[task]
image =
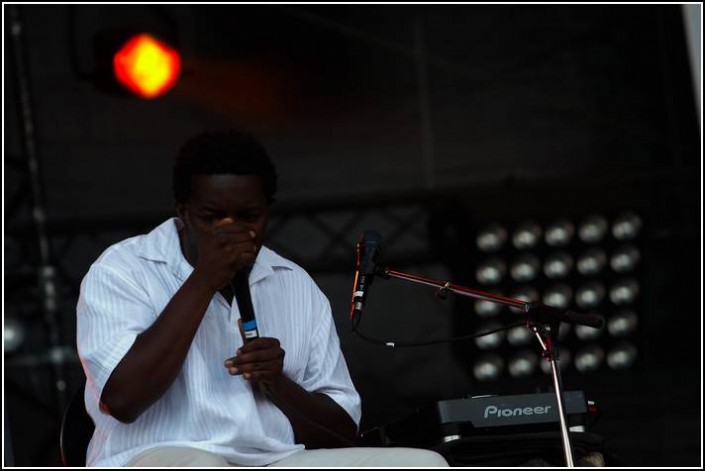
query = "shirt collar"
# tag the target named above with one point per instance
(162, 245)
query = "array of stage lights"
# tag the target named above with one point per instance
(591, 264)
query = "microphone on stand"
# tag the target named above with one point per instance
(240, 285)
(543, 313)
(367, 249)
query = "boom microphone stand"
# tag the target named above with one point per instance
(543, 320)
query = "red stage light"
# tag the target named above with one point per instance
(146, 66)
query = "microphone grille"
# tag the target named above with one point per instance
(371, 238)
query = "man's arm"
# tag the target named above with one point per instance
(157, 355)
(318, 421)
(155, 359)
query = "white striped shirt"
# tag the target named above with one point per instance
(207, 408)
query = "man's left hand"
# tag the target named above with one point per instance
(260, 360)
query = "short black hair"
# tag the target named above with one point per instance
(222, 152)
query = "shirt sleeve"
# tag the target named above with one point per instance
(112, 310)
(326, 371)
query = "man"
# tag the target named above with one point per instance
(170, 380)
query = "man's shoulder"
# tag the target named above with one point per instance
(123, 250)
(271, 259)
(281, 265)
(138, 249)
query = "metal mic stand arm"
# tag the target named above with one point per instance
(544, 321)
(444, 286)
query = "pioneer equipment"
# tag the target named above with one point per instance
(509, 414)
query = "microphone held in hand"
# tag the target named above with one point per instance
(368, 249)
(241, 287)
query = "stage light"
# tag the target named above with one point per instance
(525, 268)
(134, 62)
(626, 226)
(593, 229)
(625, 259)
(558, 265)
(488, 368)
(568, 263)
(622, 324)
(589, 359)
(522, 364)
(526, 235)
(592, 262)
(491, 271)
(590, 295)
(558, 296)
(487, 308)
(519, 336)
(624, 291)
(559, 233)
(146, 66)
(491, 238)
(526, 294)
(13, 334)
(490, 341)
(584, 332)
(622, 356)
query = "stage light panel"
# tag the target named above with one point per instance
(591, 262)
(590, 295)
(622, 323)
(625, 259)
(589, 359)
(626, 226)
(624, 291)
(525, 268)
(526, 235)
(491, 271)
(494, 340)
(487, 308)
(622, 356)
(558, 265)
(519, 336)
(559, 233)
(593, 229)
(489, 367)
(491, 238)
(522, 364)
(559, 296)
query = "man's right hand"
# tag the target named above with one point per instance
(224, 250)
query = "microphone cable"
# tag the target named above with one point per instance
(394, 344)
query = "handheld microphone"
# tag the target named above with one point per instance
(241, 287)
(367, 249)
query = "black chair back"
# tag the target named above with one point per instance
(76, 431)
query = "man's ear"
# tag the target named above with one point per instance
(189, 245)
(182, 212)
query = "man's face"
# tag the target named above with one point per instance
(216, 197)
